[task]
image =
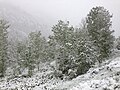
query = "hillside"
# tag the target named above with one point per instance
(104, 77)
(84, 58)
(21, 23)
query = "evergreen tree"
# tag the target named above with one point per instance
(3, 46)
(74, 52)
(20, 56)
(51, 49)
(62, 36)
(98, 25)
(85, 55)
(83, 51)
(38, 45)
(32, 52)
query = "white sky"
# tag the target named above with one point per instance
(72, 10)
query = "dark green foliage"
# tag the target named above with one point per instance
(26, 60)
(84, 52)
(32, 52)
(61, 38)
(3, 46)
(83, 68)
(117, 43)
(51, 49)
(98, 25)
(39, 46)
(74, 52)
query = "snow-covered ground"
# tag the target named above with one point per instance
(39, 81)
(104, 77)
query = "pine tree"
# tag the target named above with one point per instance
(84, 52)
(32, 52)
(38, 45)
(74, 53)
(3, 46)
(99, 29)
(51, 48)
(62, 34)
(20, 56)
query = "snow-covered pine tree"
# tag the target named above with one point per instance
(38, 46)
(51, 49)
(32, 52)
(25, 59)
(3, 46)
(99, 28)
(84, 52)
(75, 53)
(62, 34)
(19, 53)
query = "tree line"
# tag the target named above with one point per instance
(74, 49)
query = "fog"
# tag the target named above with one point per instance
(73, 10)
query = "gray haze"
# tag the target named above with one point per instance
(49, 11)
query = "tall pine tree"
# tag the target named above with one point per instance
(3, 46)
(38, 46)
(62, 34)
(99, 29)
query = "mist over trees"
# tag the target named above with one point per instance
(74, 50)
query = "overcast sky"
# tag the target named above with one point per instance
(72, 10)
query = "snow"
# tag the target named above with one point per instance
(104, 77)
(69, 44)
